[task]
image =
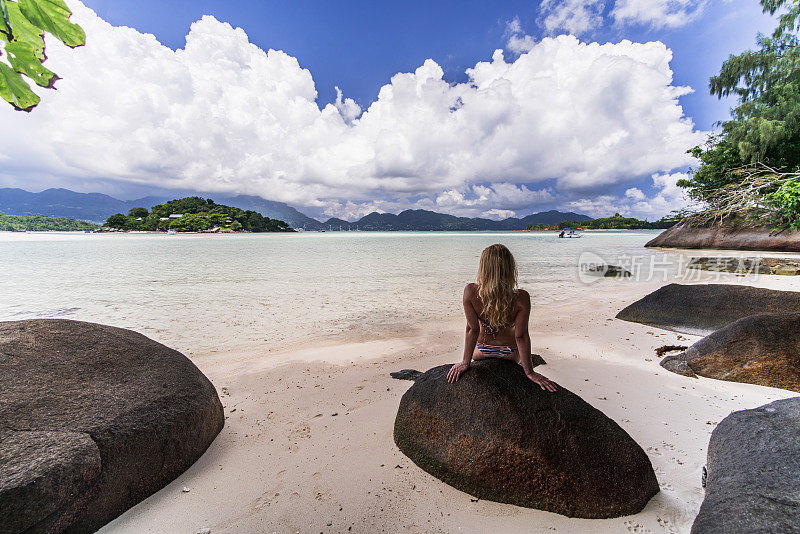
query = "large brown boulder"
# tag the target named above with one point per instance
(498, 436)
(753, 482)
(94, 420)
(761, 349)
(730, 235)
(703, 308)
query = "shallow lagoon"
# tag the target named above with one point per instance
(203, 292)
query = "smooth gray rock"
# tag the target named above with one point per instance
(703, 308)
(761, 349)
(95, 419)
(678, 364)
(753, 473)
(610, 271)
(406, 374)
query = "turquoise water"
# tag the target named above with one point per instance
(199, 293)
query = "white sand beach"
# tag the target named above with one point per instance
(225, 225)
(307, 445)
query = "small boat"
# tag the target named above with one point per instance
(171, 232)
(570, 232)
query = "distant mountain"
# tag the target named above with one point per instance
(553, 217)
(422, 220)
(94, 207)
(335, 224)
(97, 207)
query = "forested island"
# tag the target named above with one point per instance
(194, 214)
(39, 223)
(616, 222)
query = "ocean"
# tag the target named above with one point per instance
(201, 293)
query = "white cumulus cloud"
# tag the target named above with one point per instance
(658, 13)
(668, 197)
(581, 17)
(351, 211)
(222, 115)
(473, 201)
(577, 17)
(518, 42)
(498, 214)
(635, 193)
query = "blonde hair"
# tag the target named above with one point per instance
(497, 284)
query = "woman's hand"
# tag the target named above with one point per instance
(456, 371)
(543, 382)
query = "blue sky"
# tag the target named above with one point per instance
(553, 122)
(358, 46)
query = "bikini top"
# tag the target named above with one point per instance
(489, 330)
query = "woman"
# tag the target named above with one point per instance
(497, 317)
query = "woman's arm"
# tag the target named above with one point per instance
(470, 336)
(523, 339)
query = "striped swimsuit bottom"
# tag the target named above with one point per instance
(496, 351)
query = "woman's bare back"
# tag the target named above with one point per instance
(506, 334)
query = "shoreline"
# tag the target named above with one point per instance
(308, 443)
(299, 231)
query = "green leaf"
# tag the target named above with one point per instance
(15, 91)
(53, 17)
(22, 27)
(24, 59)
(5, 25)
(24, 31)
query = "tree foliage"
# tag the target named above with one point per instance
(786, 202)
(39, 223)
(117, 220)
(22, 27)
(758, 146)
(195, 214)
(753, 198)
(138, 212)
(616, 222)
(765, 126)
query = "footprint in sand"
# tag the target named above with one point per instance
(263, 501)
(633, 526)
(301, 431)
(667, 525)
(298, 433)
